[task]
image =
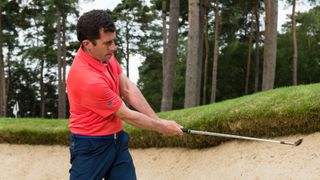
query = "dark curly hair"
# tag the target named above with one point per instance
(90, 22)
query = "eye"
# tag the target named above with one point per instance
(108, 43)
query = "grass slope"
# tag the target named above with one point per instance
(278, 112)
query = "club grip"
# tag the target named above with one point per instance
(185, 130)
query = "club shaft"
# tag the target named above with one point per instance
(237, 137)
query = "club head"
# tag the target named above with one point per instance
(297, 143)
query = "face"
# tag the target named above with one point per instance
(104, 47)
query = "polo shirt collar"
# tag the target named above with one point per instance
(90, 60)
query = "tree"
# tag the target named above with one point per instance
(63, 9)
(3, 96)
(61, 91)
(171, 56)
(308, 36)
(251, 31)
(257, 43)
(151, 77)
(150, 80)
(132, 18)
(215, 52)
(202, 12)
(38, 47)
(41, 49)
(270, 44)
(11, 18)
(193, 67)
(206, 49)
(231, 71)
(23, 88)
(164, 34)
(294, 44)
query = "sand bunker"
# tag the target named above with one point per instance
(232, 160)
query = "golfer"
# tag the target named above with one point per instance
(96, 86)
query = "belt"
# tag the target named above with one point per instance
(111, 136)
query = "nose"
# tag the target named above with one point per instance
(113, 47)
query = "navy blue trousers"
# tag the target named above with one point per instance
(101, 157)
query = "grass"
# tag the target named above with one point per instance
(34, 131)
(283, 111)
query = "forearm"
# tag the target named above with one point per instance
(165, 127)
(135, 98)
(140, 103)
(140, 120)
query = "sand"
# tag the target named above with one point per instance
(231, 160)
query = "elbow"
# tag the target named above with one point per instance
(125, 113)
(129, 95)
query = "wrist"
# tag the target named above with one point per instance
(160, 126)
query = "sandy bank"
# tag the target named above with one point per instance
(232, 160)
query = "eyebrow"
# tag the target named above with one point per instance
(108, 42)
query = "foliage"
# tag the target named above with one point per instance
(308, 37)
(231, 71)
(156, 5)
(233, 53)
(150, 81)
(150, 73)
(35, 22)
(23, 90)
(132, 18)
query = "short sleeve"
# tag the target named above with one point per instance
(116, 64)
(101, 99)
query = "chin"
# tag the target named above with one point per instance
(105, 60)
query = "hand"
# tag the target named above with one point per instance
(170, 128)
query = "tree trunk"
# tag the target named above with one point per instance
(201, 45)
(215, 53)
(42, 96)
(294, 45)
(59, 55)
(164, 36)
(270, 44)
(206, 47)
(127, 48)
(64, 64)
(164, 54)
(8, 77)
(42, 90)
(246, 86)
(257, 74)
(3, 103)
(192, 85)
(170, 66)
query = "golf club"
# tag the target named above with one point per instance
(189, 131)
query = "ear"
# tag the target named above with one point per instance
(87, 44)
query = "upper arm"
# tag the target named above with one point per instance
(125, 85)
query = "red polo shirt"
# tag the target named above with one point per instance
(93, 93)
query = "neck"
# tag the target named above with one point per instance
(89, 53)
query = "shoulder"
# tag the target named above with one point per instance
(114, 64)
(82, 75)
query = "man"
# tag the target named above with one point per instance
(99, 146)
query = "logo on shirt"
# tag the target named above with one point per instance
(110, 104)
